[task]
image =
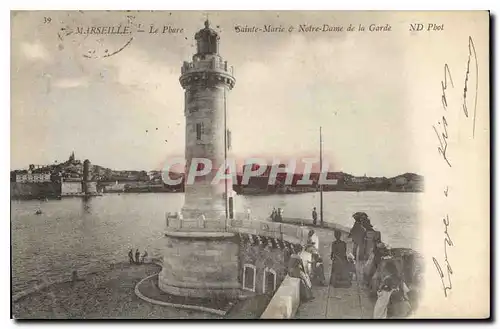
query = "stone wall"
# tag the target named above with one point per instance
(206, 258)
(267, 264)
(71, 188)
(34, 190)
(200, 265)
(285, 301)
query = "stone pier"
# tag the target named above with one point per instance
(205, 258)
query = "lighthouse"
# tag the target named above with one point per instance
(199, 258)
(206, 81)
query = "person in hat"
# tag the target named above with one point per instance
(393, 301)
(273, 214)
(305, 253)
(314, 216)
(312, 239)
(296, 270)
(318, 269)
(137, 255)
(131, 256)
(384, 293)
(357, 234)
(340, 277)
(365, 222)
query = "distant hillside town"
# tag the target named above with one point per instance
(408, 182)
(76, 178)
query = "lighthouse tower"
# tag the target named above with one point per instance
(200, 260)
(206, 81)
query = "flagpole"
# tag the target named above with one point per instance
(226, 197)
(321, 172)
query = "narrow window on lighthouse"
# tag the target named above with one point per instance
(199, 131)
(228, 139)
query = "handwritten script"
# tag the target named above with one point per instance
(441, 131)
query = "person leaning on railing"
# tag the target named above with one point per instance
(296, 270)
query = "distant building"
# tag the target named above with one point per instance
(155, 176)
(72, 177)
(30, 177)
(115, 188)
(360, 180)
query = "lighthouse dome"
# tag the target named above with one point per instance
(207, 40)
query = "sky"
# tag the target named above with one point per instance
(287, 85)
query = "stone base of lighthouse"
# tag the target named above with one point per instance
(200, 264)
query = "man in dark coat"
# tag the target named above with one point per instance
(137, 255)
(131, 256)
(357, 234)
(314, 216)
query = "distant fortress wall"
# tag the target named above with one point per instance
(34, 190)
(71, 188)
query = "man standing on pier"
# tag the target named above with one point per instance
(137, 255)
(358, 236)
(315, 216)
(131, 256)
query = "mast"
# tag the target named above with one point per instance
(321, 172)
(226, 197)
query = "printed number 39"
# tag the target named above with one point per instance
(47, 20)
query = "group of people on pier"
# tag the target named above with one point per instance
(277, 215)
(370, 264)
(138, 258)
(307, 265)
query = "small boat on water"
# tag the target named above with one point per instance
(38, 212)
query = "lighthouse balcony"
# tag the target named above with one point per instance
(204, 65)
(197, 76)
(239, 225)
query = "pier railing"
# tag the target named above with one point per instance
(309, 222)
(291, 233)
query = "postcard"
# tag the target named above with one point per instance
(250, 165)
